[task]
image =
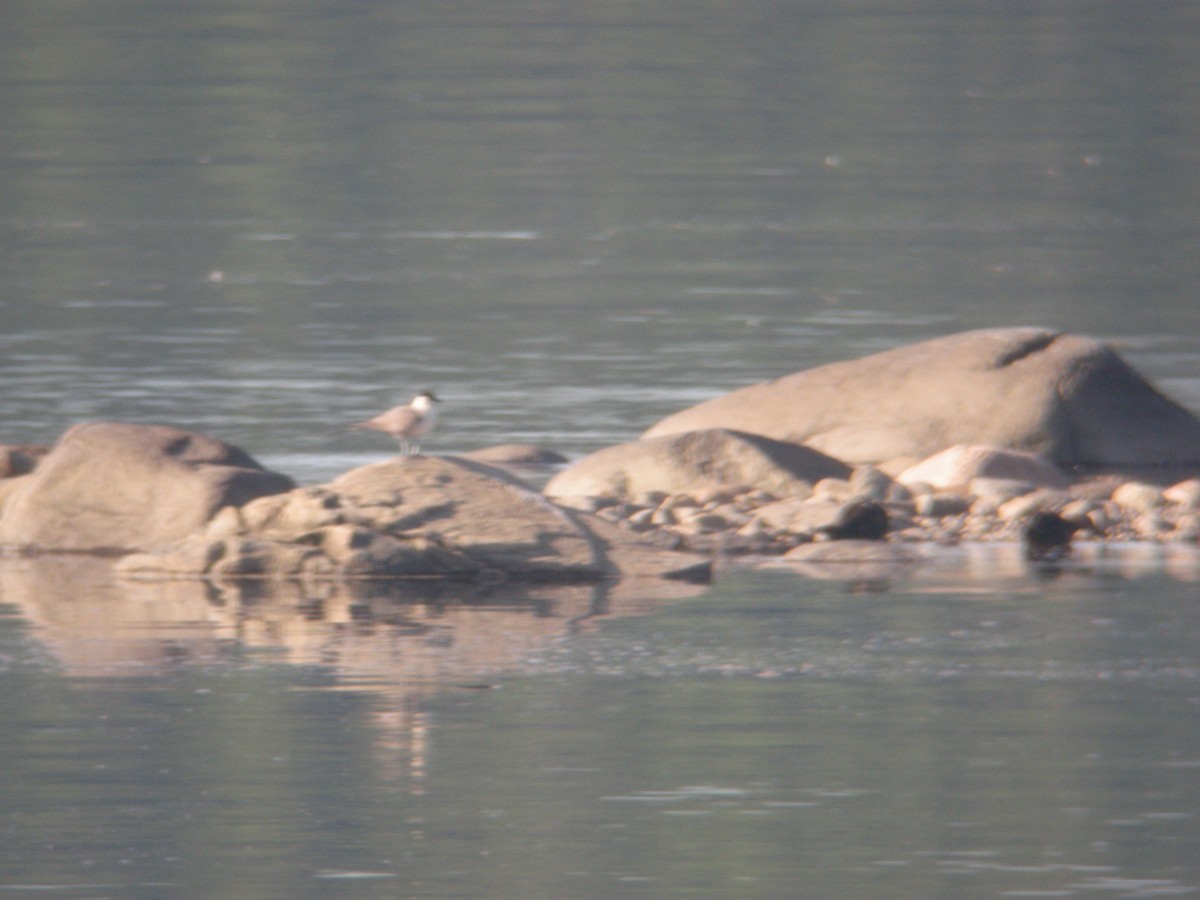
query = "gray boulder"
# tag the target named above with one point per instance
(697, 461)
(1070, 399)
(115, 487)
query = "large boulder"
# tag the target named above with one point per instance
(1069, 399)
(697, 461)
(413, 516)
(108, 487)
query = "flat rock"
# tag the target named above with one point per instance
(1070, 399)
(110, 487)
(712, 459)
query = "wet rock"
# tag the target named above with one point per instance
(1048, 536)
(1070, 399)
(861, 519)
(715, 459)
(109, 487)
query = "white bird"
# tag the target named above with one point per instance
(406, 423)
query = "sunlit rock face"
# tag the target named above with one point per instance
(1070, 399)
(117, 487)
(710, 459)
(962, 464)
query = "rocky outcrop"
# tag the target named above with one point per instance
(698, 461)
(1070, 399)
(108, 487)
(415, 516)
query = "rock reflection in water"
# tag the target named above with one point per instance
(983, 567)
(409, 634)
(397, 639)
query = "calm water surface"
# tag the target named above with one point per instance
(570, 219)
(973, 729)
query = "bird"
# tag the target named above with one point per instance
(1048, 536)
(863, 520)
(407, 424)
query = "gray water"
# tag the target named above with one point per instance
(264, 221)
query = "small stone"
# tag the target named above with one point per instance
(918, 488)
(1027, 504)
(998, 490)
(1138, 497)
(681, 501)
(650, 498)
(1150, 526)
(720, 494)
(756, 497)
(1187, 528)
(642, 520)
(837, 489)
(937, 506)
(870, 483)
(616, 513)
(734, 517)
(662, 517)
(1098, 488)
(1078, 510)
(754, 529)
(1185, 494)
(703, 523)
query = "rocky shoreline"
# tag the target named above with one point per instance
(961, 439)
(747, 520)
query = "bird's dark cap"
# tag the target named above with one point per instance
(431, 395)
